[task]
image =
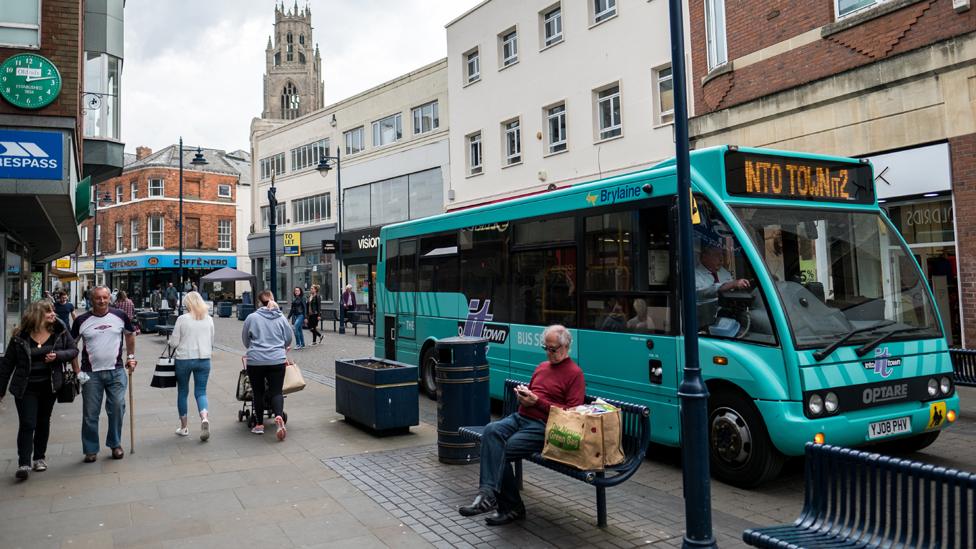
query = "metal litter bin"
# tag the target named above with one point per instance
(224, 309)
(147, 321)
(462, 396)
(243, 310)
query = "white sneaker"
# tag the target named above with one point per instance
(183, 431)
(205, 430)
(258, 429)
(40, 465)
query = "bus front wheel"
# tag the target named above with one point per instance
(428, 371)
(741, 453)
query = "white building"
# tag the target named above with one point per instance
(550, 92)
(393, 146)
(242, 161)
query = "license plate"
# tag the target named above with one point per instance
(889, 427)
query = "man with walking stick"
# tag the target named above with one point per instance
(104, 331)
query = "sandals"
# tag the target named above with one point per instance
(118, 453)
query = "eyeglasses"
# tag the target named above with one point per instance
(552, 349)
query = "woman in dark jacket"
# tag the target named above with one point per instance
(297, 314)
(314, 312)
(33, 365)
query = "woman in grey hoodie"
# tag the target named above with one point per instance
(267, 336)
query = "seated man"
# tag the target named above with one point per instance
(557, 381)
(711, 277)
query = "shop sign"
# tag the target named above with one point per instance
(63, 263)
(292, 243)
(328, 246)
(361, 242)
(31, 155)
(190, 261)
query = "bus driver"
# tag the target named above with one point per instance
(711, 277)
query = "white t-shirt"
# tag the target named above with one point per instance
(104, 339)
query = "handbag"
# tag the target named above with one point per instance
(70, 386)
(294, 380)
(165, 374)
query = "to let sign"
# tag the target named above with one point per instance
(293, 244)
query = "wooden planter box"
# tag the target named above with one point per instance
(378, 394)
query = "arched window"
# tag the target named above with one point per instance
(301, 58)
(290, 101)
(277, 58)
(301, 39)
(290, 48)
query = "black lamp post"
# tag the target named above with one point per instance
(272, 227)
(692, 391)
(96, 240)
(198, 160)
(325, 164)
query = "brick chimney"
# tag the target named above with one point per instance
(142, 152)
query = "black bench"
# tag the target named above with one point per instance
(636, 426)
(329, 314)
(862, 499)
(360, 317)
(964, 366)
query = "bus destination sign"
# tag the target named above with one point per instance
(767, 176)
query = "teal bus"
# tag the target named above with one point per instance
(814, 319)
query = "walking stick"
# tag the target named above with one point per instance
(132, 419)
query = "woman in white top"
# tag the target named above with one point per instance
(192, 340)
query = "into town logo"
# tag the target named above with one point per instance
(882, 365)
(477, 317)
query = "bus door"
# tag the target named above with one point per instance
(406, 311)
(627, 340)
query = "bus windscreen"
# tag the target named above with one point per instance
(791, 178)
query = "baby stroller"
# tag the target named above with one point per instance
(245, 395)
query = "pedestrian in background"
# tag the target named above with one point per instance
(314, 313)
(104, 330)
(347, 302)
(124, 304)
(33, 365)
(155, 300)
(193, 339)
(297, 314)
(171, 295)
(267, 336)
(64, 310)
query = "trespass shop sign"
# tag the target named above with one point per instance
(31, 155)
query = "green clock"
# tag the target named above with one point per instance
(29, 81)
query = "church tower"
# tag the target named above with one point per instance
(293, 84)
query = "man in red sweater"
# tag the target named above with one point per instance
(557, 381)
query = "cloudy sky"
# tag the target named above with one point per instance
(194, 67)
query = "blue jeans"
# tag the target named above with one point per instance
(200, 368)
(299, 333)
(510, 438)
(111, 383)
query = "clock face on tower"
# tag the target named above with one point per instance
(29, 81)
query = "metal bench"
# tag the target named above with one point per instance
(636, 426)
(360, 317)
(329, 314)
(862, 499)
(964, 366)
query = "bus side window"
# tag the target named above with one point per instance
(544, 272)
(392, 266)
(484, 253)
(439, 263)
(408, 266)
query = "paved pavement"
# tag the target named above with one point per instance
(332, 485)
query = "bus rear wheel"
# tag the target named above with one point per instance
(428, 373)
(739, 447)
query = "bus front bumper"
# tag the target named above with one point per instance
(790, 430)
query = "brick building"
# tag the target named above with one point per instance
(137, 231)
(889, 80)
(49, 153)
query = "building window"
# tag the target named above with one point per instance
(513, 141)
(425, 118)
(224, 230)
(556, 128)
(603, 10)
(290, 101)
(509, 47)
(718, 53)
(133, 190)
(387, 130)
(311, 209)
(272, 165)
(289, 47)
(102, 72)
(354, 140)
(308, 155)
(118, 194)
(472, 66)
(474, 153)
(552, 26)
(133, 234)
(98, 239)
(847, 7)
(20, 24)
(665, 95)
(119, 237)
(84, 241)
(279, 215)
(223, 191)
(156, 232)
(155, 187)
(608, 112)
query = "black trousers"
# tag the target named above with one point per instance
(34, 412)
(313, 326)
(274, 376)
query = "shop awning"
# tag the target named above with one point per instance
(227, 274)
(83, 198)
(64, 276)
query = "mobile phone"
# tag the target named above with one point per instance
(522, 390)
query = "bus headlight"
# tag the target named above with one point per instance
(945, 385)
(933, 387)
(815, 405)
(831, 403)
